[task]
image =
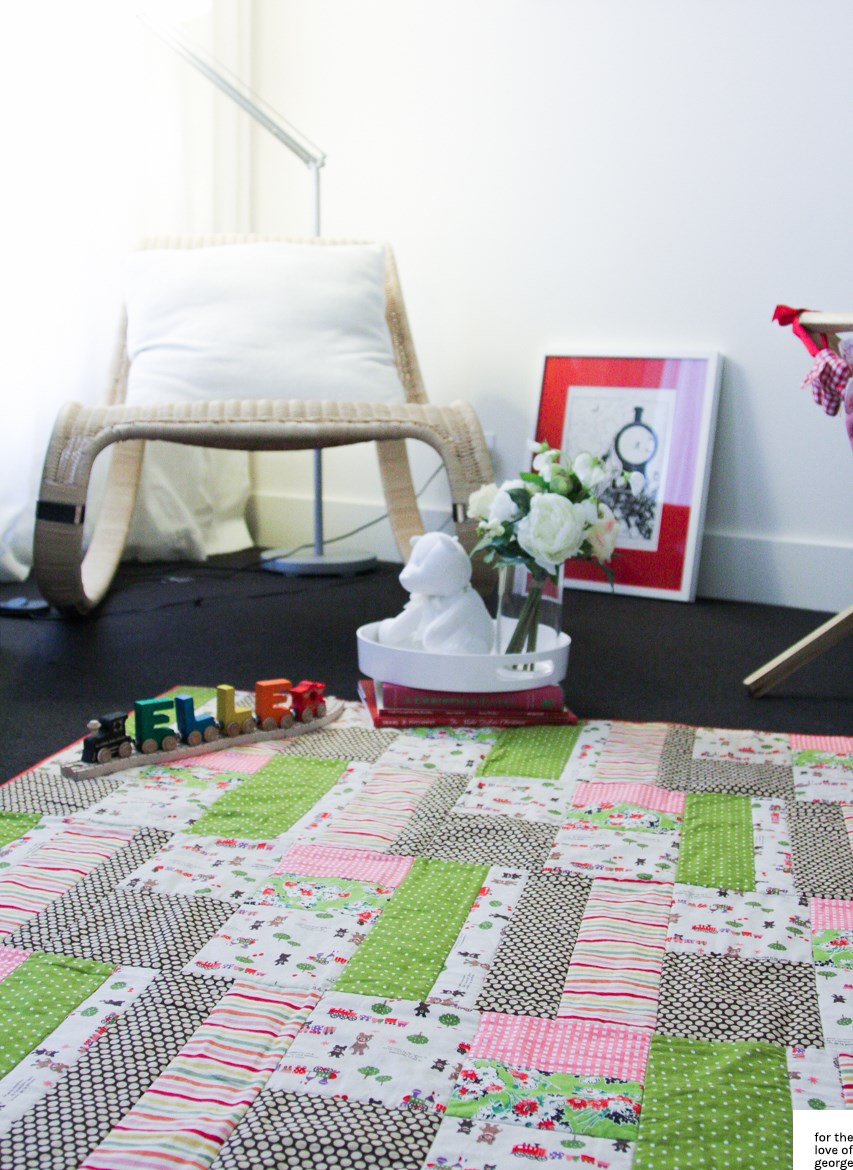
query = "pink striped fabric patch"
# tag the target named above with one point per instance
(376, 816)
(46, 874)
(247, 761)
(364, 865)
(10, 958)
(615, 970)
(834, 745)
(632, 753)
(845, 1072)
(831, 914)
(644, 795)
(564, 1046)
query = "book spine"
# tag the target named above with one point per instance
(455, 718)
(470, 719)
(396, 697)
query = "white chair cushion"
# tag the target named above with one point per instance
(272, 320)
(266, 320)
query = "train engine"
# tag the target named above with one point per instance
(107, 739)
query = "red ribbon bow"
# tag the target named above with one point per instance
(785, 315)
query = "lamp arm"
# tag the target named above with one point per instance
(254, 106)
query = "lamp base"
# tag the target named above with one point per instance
(342, 564)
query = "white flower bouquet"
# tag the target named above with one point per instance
(542, 519)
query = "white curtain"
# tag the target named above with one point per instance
(106, 136)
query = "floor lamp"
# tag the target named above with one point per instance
(319, 562)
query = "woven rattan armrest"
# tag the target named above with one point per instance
(75, 579)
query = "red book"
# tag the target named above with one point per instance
(452, 717)
(395, 697)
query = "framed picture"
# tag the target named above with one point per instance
(654, 418)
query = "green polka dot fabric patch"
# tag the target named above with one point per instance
(717, 847)
(271, 801)
(404, 952)
(711, 1106)
(541, 752)
(14, 824)
(37, 996)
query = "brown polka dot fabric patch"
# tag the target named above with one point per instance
(298, 1131)
(740, 779)
(347, 743)
(528, 973)
(43, 790)
(430, 816)
(719, 997)
(492, 840)
(822, 857)
(676, 759)
(145, 930)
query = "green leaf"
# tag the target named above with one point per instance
(521, 498)
(532, 477)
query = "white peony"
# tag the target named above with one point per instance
(589, 469)
(552, 531)
(480, 501)
(504, 509)
(544, 463)
(603, 535)
(636, 482)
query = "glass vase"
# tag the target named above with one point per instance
(529, 613)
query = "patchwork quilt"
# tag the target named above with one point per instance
(612, 945)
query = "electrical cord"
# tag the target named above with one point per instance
(361, 528)
(178, 569)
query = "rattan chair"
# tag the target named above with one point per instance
(75, 579)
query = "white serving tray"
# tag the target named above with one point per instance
(464, 672)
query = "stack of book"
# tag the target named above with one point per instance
(393, 705)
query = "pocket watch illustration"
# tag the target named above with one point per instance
(636, 443)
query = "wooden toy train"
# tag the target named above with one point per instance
(280, 710)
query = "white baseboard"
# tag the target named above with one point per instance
(776, 572)
(284, 521)
(732, 568)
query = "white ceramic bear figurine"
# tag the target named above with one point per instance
(445, 615)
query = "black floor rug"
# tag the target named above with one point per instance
(230, 621)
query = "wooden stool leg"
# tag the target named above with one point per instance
(814, 644)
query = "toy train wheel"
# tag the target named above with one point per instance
(308, 715)
(269, 724)
(286, 719)
(320, 710)
(168, 743)
(148, 746)
(211, 732)
(194, 738)
(248, 726)
(104, 755)
(125, 750)
(232, 729)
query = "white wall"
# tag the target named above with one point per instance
(556, 174)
